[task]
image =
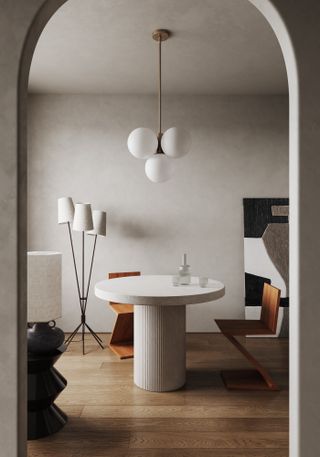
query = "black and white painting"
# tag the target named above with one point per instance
(266, 255)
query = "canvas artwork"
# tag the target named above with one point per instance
(266, 255)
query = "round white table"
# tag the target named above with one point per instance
(159, 324)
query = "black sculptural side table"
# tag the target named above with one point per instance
(44, 385)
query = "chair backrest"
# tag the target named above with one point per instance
(270, 306)
(124, 274)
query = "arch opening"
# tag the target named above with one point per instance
(274, 19)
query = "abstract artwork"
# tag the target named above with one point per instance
(266, 255)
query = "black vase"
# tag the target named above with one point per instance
(44, 338)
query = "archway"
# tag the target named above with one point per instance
(273, 17)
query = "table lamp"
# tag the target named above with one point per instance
(44, 301)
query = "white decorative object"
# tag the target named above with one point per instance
(44, 286)
(99, 223)
(203, 281)
(176, 142)
(184, 271)
(82, 221)
(159, 324)
(65, 210)
(142, 143)
(176, 280)
(159, 168)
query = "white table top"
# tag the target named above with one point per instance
(157, 290)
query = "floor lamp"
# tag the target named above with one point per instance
(89, 222)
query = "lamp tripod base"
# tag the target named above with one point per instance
(82, 328)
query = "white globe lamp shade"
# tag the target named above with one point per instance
(176, 142)
(159, 168)
(142, 143)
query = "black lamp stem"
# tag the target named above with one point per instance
(83, 299)
(74, 260)
(90, 272)
(82, 265)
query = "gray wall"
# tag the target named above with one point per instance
(77, 147)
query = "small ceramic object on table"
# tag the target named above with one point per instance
(184, 271)
(203, 281)
(175, 280)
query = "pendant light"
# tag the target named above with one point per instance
(159, 150)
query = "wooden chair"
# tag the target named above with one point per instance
(258, 379)
(121, 342)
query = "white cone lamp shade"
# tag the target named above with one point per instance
(65, 210)
(142, 143)
(176, 142)
(44, 286)
(82, 221)
(159, 168)
(99, 223)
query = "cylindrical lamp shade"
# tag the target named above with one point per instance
(82, 221)
(44, 286)
(99, 223)
(65, 210)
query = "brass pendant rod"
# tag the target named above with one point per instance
(160, 90)
(160, 35)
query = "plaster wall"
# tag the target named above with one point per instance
(77, 147)
(16, 18)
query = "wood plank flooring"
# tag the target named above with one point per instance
(110, 417)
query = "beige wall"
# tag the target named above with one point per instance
(77, 147)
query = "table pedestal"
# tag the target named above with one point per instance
(159, 347)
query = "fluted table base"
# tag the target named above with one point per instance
(159, 347)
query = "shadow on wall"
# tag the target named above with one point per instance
(137, 229)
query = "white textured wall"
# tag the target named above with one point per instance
(77, 147)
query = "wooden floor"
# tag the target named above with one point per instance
(110, 416)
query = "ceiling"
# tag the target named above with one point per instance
(105, 46)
